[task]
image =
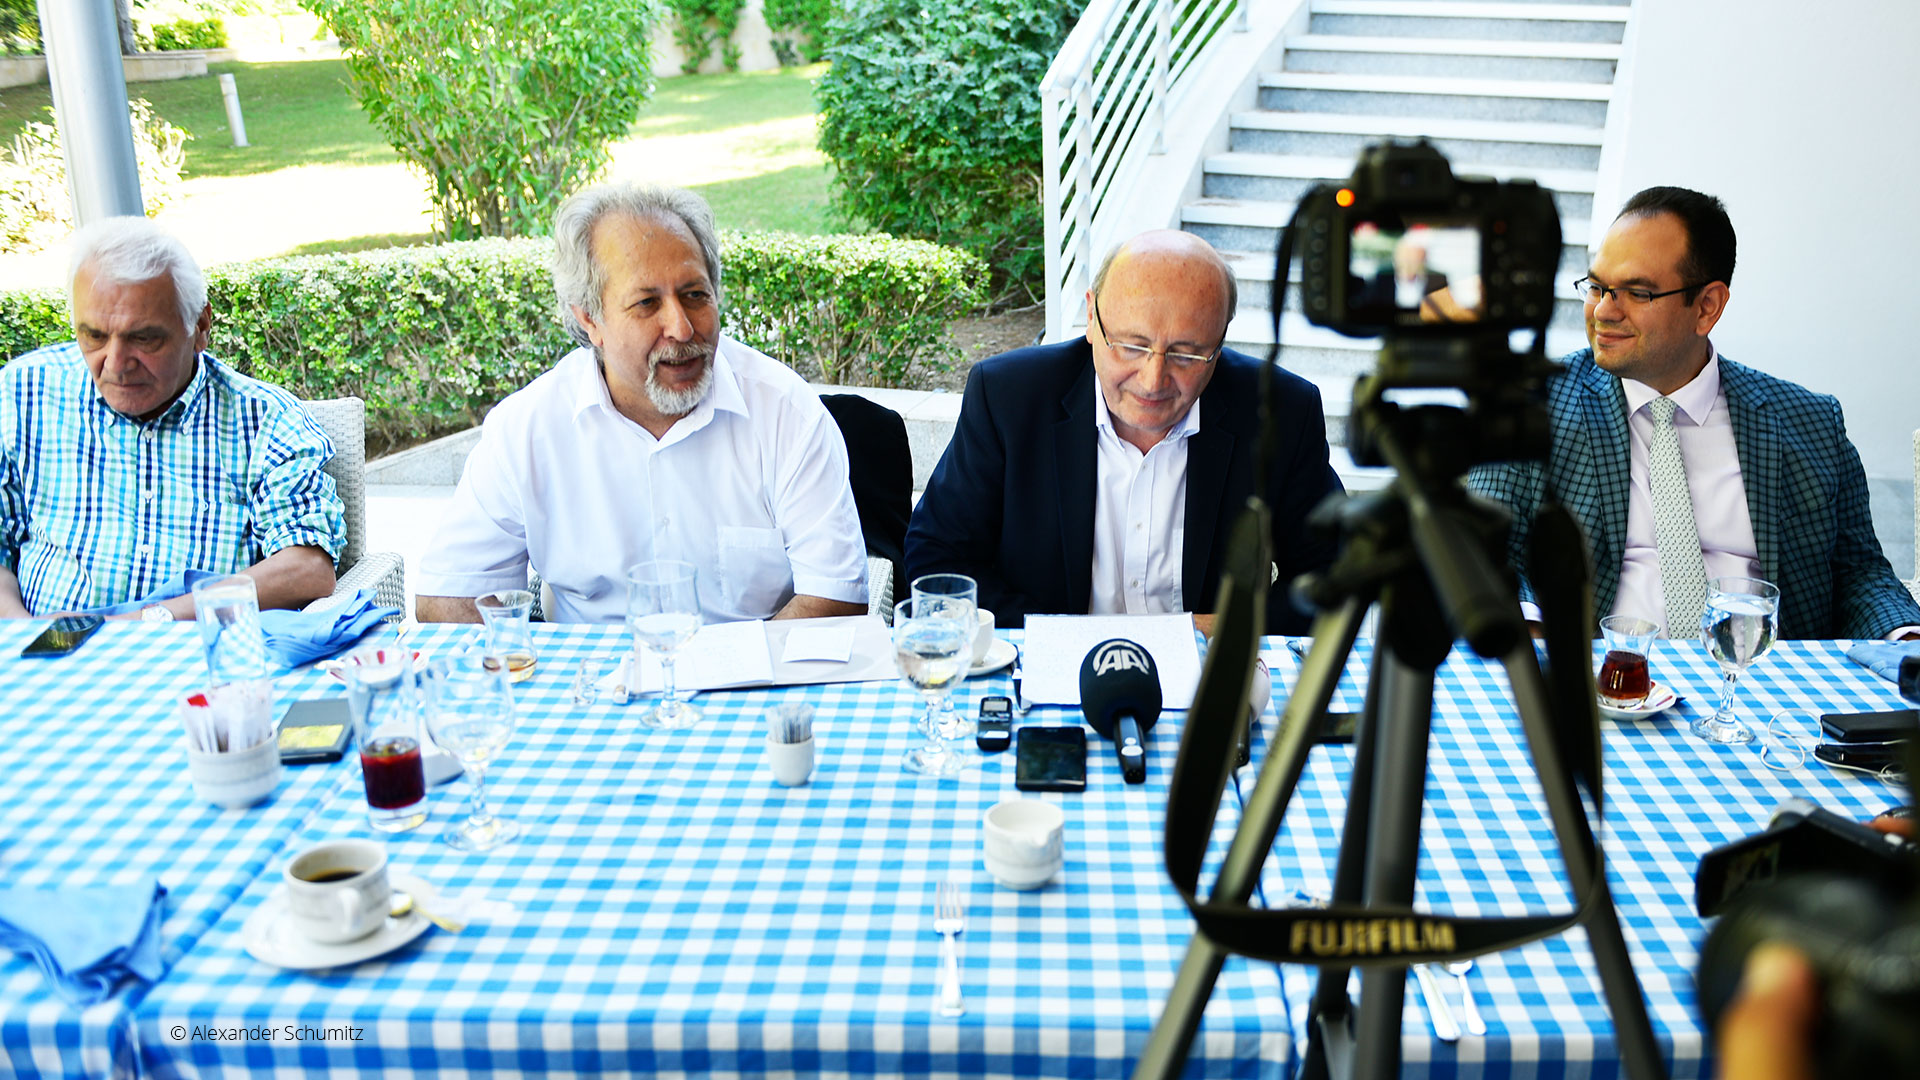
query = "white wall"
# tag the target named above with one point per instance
(750, 34)
(1799, 116)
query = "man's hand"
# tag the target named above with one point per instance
(1204, 624)
(1766, 1032)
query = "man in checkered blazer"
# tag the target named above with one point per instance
(1776, 488)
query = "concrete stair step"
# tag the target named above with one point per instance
(1315, 169)
(1586, 62)
(1593, 23)
(1253, 225)
(1420, 84)
(1403, 96)
(1472, 145)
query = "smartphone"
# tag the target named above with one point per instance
(995, 729)
(63, 636)
(1050, 759)
(315, 730)
(1890, 725)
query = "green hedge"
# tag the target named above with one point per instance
(432, 337)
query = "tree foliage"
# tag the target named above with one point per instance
(506, 105)
(699, 25)
(799, 29)
(931, 114)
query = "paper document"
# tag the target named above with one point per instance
(833, 643)
(721, 654)
(1056, 645)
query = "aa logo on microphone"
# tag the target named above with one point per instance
(1120, 656)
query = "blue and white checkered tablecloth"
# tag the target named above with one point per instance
(94, 791)
(1487, 847)
(671, 910)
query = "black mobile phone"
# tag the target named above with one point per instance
(315, 730)
(63, 636)
(1050, 759)
(1888, 725)
(995, 730)
(1868, 757)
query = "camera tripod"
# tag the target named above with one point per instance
(1429, 553)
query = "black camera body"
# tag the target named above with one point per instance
(1846, 896)
(1403, 227)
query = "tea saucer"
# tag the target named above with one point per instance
(337, 669)
(270, 937)
(1658, 701)
(999, 655)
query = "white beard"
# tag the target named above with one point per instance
(679, 402)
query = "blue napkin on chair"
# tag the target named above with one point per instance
(301, 637)
(86, 940)
(1883, 657)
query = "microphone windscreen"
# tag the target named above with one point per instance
(1118, 677)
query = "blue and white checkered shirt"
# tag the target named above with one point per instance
(97, 508)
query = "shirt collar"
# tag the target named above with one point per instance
(1696, 399)
(1103, 420)
(587, 387)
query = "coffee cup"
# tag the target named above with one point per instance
(338, 891)
(982, 635)
(1025, 842)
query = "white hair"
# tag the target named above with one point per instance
(130, 250)
(578, 280)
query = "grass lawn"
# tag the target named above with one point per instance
(744, 141)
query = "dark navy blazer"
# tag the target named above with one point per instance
(1011, 503)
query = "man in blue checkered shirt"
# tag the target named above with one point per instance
(1759, 473)
(130, 455)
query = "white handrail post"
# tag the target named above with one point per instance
(1162, 57)
(1239, 16)
(1082, 190)
(1050, 209)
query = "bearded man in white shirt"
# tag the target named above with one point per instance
(658, 438)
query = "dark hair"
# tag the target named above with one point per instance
(1709, 232)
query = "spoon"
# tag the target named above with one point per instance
(403, 904)
(1458, 969)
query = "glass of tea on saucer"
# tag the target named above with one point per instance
(1625, 680)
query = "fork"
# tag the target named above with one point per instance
(949, 919)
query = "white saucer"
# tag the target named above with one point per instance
(999, 655)
(1660, 700)
(271, 938)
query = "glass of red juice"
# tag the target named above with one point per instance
(1625, 680)
(396, 783)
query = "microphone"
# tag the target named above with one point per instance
(1120, 695)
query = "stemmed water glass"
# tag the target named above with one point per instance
(933, 651)
(952, 596)
(663, 611)
(1740, 621)
(471, 717)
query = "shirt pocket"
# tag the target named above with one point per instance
(755, 576)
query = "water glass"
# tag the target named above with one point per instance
(471, 718)
(663, 612)
(508, 616)
(227, 611)
(953, 596)
(933, 651)
(1740, 621)
(1625, 680)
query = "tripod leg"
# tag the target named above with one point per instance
(1633, 1031)
(1393, 850)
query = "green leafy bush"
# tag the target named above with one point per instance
(506, 105)
(34, 206)
(799, 29)
(19, 27)
(931, 114)
(699, 25)
(432, 337)
(208, 33)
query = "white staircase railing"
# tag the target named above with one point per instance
(1103, 104)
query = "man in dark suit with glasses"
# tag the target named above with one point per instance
(1103, 474)
(1684, 466)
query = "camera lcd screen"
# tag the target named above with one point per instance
(1415, 271)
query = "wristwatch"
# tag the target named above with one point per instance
(156, 613)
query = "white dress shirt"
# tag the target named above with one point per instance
(1139, 518)
(751, 487)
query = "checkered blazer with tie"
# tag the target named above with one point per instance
(1806, 494)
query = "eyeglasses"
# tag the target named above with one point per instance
(1593, 292)
(1138, 354)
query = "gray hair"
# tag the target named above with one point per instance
(1106, 264)
(130, 250)
(578, 280)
